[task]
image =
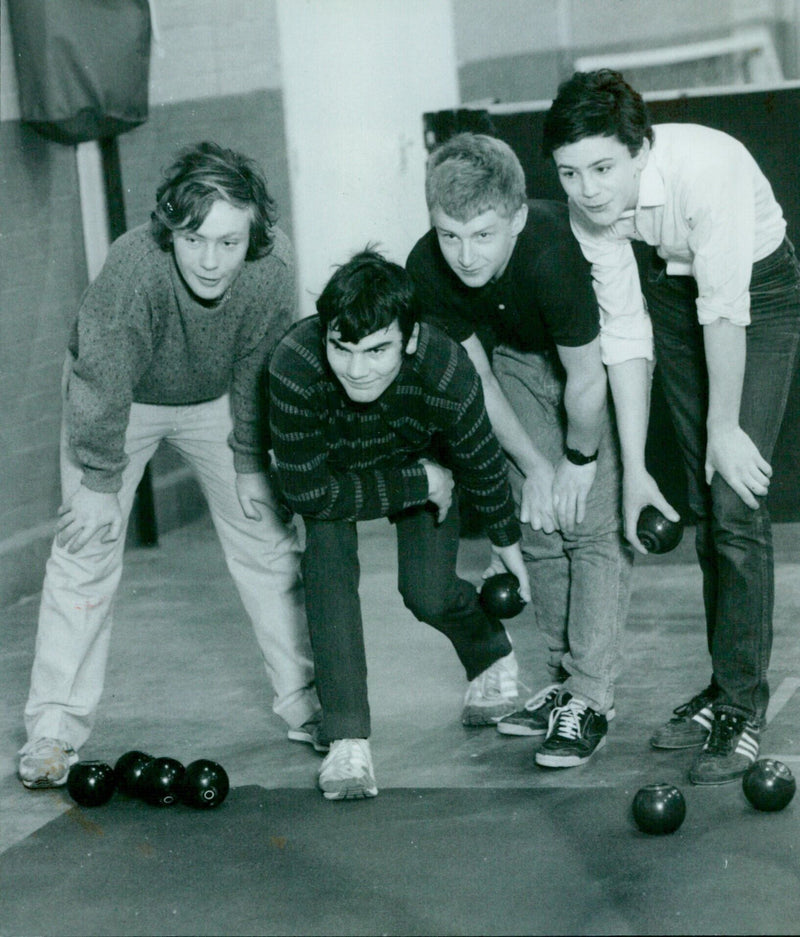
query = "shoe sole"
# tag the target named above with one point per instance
(295, 735)
(715, 783)
(41, 784)
(509, 728)
(351, 793)
(477, 718)
(674, 747)
(568, 761)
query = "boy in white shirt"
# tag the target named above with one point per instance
(719, 299)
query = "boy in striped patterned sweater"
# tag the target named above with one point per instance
(374, 414)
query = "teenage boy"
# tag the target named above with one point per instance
(374, 414)
(505, 277)
(169, 343)
(723, 292)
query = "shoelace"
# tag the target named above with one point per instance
(542, 697)
(724, 728)
(695, 704)
(568, 718)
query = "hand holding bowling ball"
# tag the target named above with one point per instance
(205, 784)
(499, 596)
(658, 809)
(657, 533)
(769, 785)
(91, 783)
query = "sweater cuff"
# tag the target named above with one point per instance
(247, 463)
(415, 480)
(504, 536)
(102, 482)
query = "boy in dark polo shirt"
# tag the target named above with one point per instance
(504, 277)
(376, 415)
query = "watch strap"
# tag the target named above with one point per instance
(578, 458)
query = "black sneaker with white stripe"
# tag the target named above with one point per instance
(575, 733)
(690, 723)
(731, 748)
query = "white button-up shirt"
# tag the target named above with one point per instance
(709, 211)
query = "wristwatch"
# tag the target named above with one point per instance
(578, 458)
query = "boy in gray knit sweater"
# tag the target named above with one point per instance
(169, 344)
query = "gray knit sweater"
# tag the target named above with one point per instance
(141, 336)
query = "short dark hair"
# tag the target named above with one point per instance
(472, 173)
(200, 175)
(366, 294)
(596, 104)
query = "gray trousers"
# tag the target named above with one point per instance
(580, 581)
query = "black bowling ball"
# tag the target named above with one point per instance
(91, 783)
(499, 596)
(656, 532)
(658, 808)
(161, 781)
(128, 771)
(205, 784)
(769, 785)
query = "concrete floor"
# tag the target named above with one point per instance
(185, 680)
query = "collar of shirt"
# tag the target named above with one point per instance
(652, 190)
(643, 222)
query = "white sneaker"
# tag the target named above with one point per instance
(46, 763)
(492, 694)
(346, 772)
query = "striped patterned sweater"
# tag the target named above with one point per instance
(340, 460)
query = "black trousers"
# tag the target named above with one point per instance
(427, 581)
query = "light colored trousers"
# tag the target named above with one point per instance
(75, 617)
(580, 581)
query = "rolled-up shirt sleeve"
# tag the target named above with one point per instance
(625, 328)
(721, 239)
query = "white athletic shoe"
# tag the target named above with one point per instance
(492, 694)
(46, 763)
(346, 772)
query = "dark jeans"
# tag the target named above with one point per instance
(427, 580)
(734, 542)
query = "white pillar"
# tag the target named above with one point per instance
(94, 206)
(357, 76)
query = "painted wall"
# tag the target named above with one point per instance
(354, 124)
(519, 50)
